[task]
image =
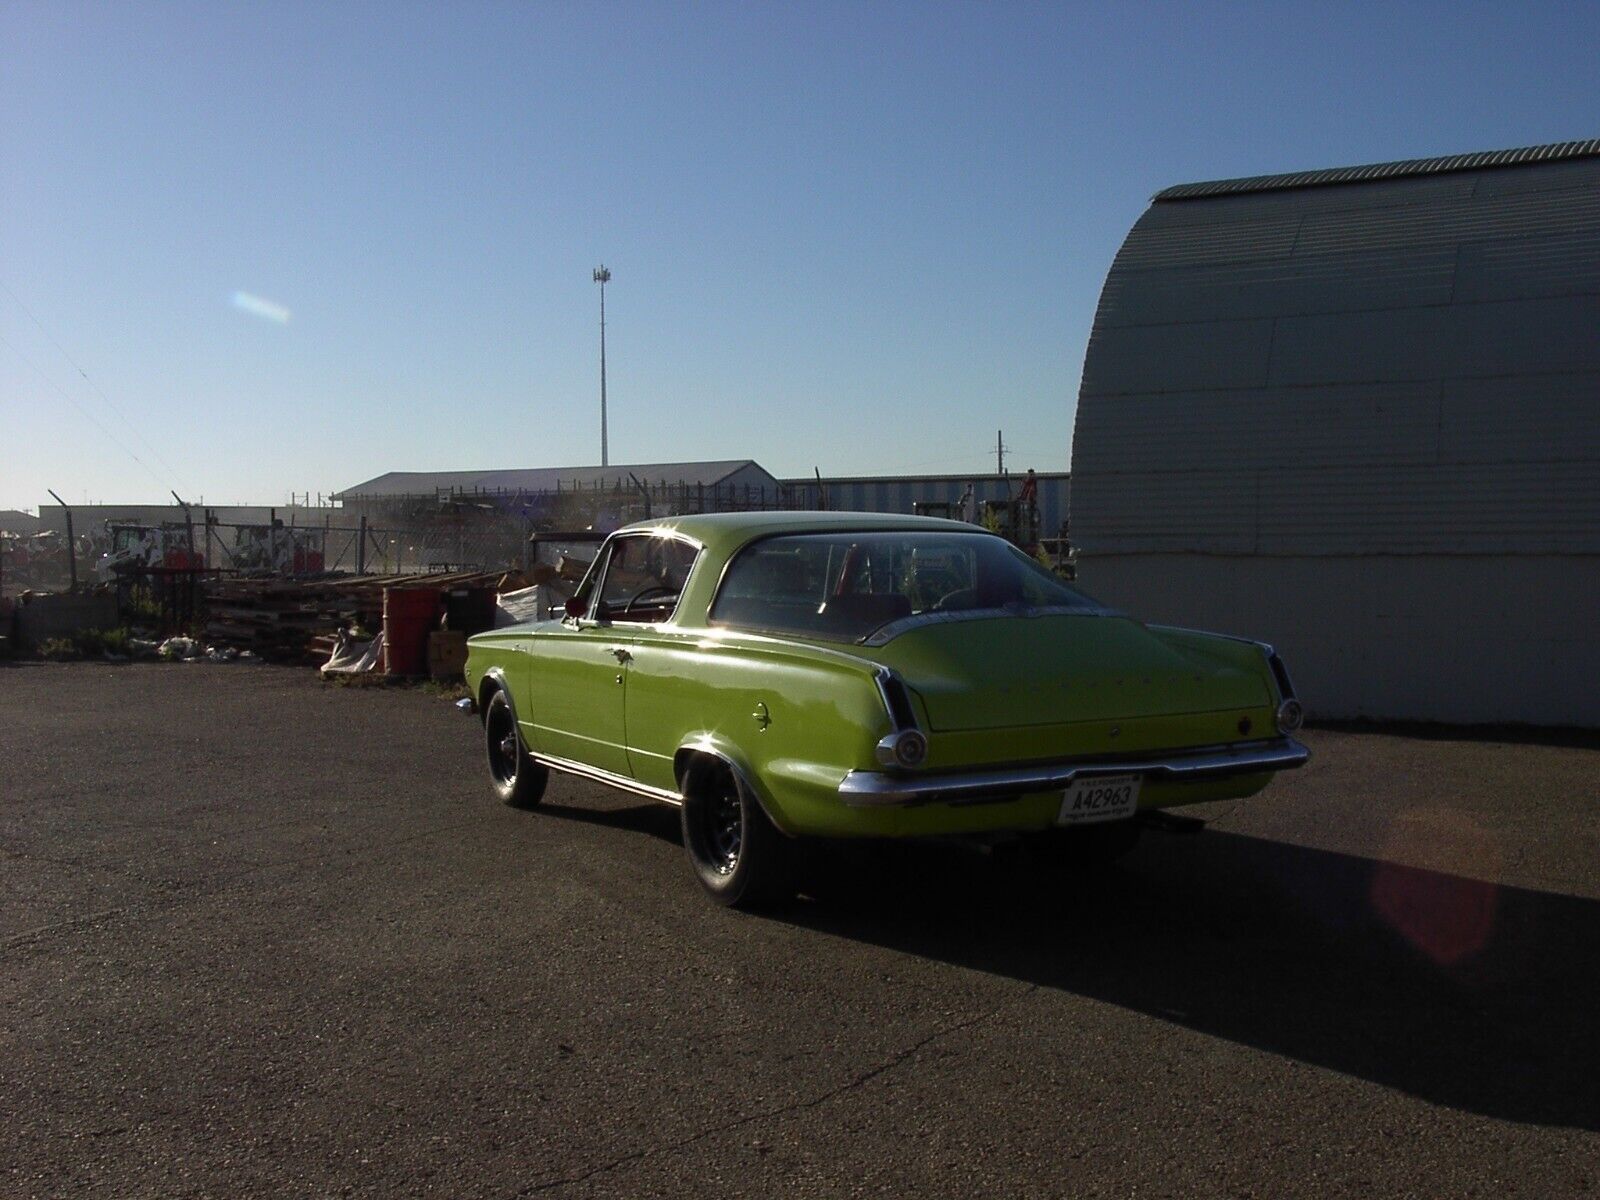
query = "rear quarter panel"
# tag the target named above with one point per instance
(793, 718)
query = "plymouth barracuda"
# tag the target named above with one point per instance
(778, 676)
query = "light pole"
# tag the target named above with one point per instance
(602, 276)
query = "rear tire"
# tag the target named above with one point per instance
(515, 777)
(737, 854)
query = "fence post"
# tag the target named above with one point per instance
(361, 548)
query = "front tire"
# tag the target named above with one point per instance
(515, 777)
(737, 854)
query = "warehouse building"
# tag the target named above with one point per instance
(687, 486)
(1357, 412)
(730, 477)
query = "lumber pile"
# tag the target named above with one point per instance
(297, 620)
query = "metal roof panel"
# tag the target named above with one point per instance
(540, 479)
(1553, 152)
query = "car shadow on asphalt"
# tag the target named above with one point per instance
(658, 820)
(1459, 991)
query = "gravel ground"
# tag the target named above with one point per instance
(263, 936)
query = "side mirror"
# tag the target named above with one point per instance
(577, 606)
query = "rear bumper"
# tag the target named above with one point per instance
(876, 789)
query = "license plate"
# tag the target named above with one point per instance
(1099, 798)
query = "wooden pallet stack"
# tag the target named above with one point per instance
(294, 620)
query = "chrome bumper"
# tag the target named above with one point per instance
(875, 789)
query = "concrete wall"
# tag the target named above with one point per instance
(1455, 638)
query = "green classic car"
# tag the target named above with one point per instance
(787, 675)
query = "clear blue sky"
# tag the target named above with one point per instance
(857, 237)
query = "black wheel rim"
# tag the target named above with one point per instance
(720, 825)
(501, 732)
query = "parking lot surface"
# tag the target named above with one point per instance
(261, 936)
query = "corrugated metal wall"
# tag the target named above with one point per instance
(1406, 368)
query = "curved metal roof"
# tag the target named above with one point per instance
(1390, 170)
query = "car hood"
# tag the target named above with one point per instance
(1011, 671)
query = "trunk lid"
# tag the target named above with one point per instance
(1010, 672)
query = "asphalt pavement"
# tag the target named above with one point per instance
(262, 936)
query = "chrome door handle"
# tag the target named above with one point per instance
(621, 653)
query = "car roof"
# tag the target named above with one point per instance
(722, 535)
(726, 532)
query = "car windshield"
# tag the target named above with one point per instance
(844, 586)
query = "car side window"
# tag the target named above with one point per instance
(644, 576)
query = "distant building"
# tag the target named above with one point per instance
(1357, 412)
(900, 493)
(13, 521)
(433, 519)
(729, 476)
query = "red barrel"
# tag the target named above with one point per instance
(409, 615)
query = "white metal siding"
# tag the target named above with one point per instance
(1335, 397)
(1462, 638)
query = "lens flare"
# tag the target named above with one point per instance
(1444, 905)
(257, 307)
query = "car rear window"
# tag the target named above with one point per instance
(843, 586)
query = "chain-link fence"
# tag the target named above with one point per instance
(386, 535)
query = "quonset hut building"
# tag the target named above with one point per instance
(1356, 412)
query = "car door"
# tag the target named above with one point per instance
(661, 652)
(579, 672)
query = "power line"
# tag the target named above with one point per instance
(72, 400)
(171, 471)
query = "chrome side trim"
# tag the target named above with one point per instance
(567, 767)
(873, 789)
